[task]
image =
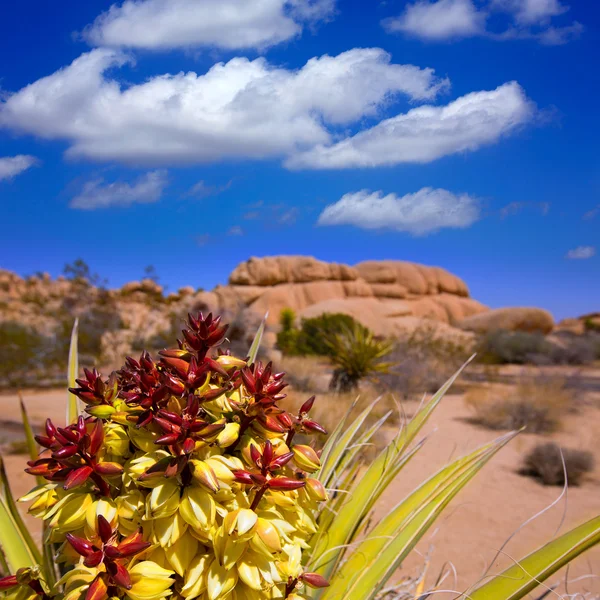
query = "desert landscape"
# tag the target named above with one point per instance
(530, 372)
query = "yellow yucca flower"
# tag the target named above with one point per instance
(149, 581)
(198, 507)
(107, 507)
(116, 441)
(68, 514)
(181, 553)
(168, 530)
(220, 581)
(44, 497)
(195, 579)
(140, 463)
(306, 458)
(204, 475)
(229, 435)
(163, 500)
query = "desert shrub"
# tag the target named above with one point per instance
(301, 371)
(93, 323)
(310, 337)
(517, 347)
(423, 361)
(545, 462)
(356, 354)
(538, 406)
(287, 337)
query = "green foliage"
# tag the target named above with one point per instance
(309, 339)
(512, 347)
(356, 355)
(519, 347)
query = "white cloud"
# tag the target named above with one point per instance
(531, 12)
(581, 253)
(11, 166)
(242, 108)
(427, 133)
(425, 211)
(97, 194)
(235, 230)
(441, 20)
(204, 190)
(227, 24)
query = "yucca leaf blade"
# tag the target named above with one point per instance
(16, 541)
(255, 346)
(73, 409)
(520, 579)
(376, 558)
(373, 483)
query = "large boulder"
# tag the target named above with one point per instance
(530, 320)
(418, 280)
(273, 270)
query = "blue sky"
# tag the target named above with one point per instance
(192, 134)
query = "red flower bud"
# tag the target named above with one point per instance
(285, 483)
(242, 476)
(313, 426)
(77, 477)
(94, 559)
(96, 437)
(8, 582)
(306, 407)
(65, 452)
(80, 545)
(98, 589)
(108, 468)
(104, 529)
(314, 580)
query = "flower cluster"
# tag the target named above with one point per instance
(182, 480)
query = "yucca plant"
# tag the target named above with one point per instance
(356, 354)
(183, 478)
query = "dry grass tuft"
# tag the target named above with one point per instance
(539, 406)
(544, 462)
(303, 372)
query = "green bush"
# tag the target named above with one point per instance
(310, 338)
(20, 347)
(512, 347)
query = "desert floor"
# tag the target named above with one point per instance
(474, 527)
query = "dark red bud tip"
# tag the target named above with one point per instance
(98, 589)
(133, 548)
(77, 477)
(8, 582)
(94, 559)
(314, 580)
(108, 468)
(121, 577)
(65, 452)
(112, 552)
(80, 545)
(104, 529)
(242, 476)
(313, 426)
(306, 407)
(285, 483)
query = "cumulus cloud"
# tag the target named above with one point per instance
(425, 211)
(242, 108)
(443, 20)
(147, 189)
(227, 24)
(581, 253)
(11, 166)
(204, 190)
(427, 133)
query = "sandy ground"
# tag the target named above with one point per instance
(477, 523)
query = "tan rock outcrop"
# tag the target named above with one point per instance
(273, 270)
(511, 319)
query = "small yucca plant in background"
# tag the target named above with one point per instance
(183, 478)
(356, 354)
